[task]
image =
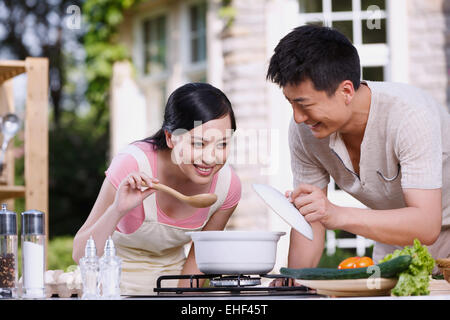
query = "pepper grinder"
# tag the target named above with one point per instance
(8, 253)
(90, 275)
(33, 254)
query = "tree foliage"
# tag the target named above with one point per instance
(102, 49)
(88, 136)
(35, 28)
(78, 139)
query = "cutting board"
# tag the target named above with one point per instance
(351, 287)
(439, 287)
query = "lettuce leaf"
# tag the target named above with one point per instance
(414, 280)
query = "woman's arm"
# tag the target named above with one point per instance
(109, 208)
(101, 222)
(218, 221)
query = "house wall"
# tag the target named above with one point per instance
(246, 48)
(429, 47)
(243, 77)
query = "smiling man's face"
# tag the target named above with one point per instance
(323, 114)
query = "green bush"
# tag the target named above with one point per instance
(59, 253)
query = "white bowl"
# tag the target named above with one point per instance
(235, 252)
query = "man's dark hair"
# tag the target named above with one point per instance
(321, 54)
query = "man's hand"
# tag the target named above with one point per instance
(314, 205)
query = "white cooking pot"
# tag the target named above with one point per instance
(235, 252)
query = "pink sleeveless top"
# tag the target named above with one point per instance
(123, 164)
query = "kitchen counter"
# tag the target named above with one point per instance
(439, 290)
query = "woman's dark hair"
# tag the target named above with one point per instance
(189, 105)
(321, 54)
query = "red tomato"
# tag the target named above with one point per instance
(355, 262)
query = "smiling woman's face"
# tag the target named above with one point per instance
(202, 151)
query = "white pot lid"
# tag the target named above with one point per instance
(285, 209)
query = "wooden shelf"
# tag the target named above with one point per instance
(35, 133)
(10, 192)
(11, 68)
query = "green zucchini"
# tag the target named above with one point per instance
(388, 269)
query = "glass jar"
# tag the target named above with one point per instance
(33, 254)
(8, 253)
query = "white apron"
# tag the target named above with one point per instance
(155, 248)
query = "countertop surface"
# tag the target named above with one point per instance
(439, 290)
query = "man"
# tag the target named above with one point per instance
(386, 144)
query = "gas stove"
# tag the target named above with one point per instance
(232, 286)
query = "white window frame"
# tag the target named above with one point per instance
(196, 69)
(138, 50)
(283, 16)
(150, 84)
(179, 70)
(371, 55)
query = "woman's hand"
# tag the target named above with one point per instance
(314, 205)
(129, 193)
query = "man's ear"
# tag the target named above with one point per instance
(168, 139)
(347, 90)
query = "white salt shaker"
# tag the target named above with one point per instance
(110, 270)
(90, 272)
(33, 254)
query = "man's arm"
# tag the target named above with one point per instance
(304, 253)
(421, 218)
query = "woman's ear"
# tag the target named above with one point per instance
(168, 139)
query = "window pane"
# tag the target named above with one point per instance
(373, 73)
(341, 5)
(200, 77)
(195, 54)
(198, 32)
(373, 31)
(194, 18)
(308, 6)
(155, 45)
(367, 3)
(316, 23)
(345, 27)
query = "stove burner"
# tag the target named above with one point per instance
(234, 281)
(223, 285)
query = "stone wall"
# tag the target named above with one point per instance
(244, 83)
(429, 47)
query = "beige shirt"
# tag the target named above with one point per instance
(406, 144)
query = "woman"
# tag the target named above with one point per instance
(188, 154)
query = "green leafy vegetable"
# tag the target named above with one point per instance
(415, 280)
(71, 268)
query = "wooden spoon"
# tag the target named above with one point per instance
(202, 200)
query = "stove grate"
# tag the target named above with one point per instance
(239, 286)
